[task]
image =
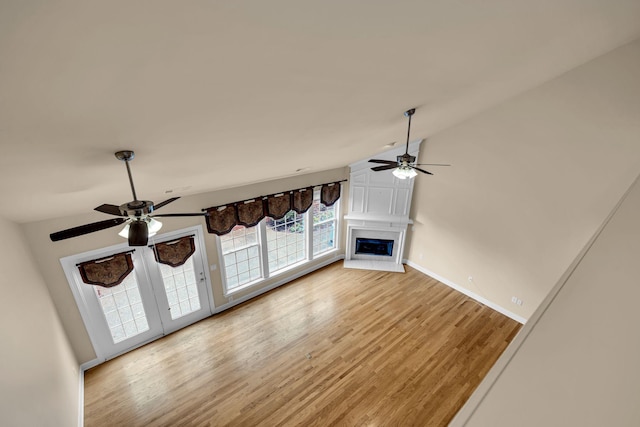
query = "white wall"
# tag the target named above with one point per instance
(38, 371)
(531, 181)
(576, 362)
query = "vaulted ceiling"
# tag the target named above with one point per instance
(212, 95)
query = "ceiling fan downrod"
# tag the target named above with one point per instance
(408, 114)
(127, 156)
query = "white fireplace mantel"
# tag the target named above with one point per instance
(377, 219)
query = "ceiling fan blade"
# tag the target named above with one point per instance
(431, 164)
(86, 229)
(109, 209)
(385, 167)
(386, 162)
(179, 214)
(166, 202)
(138, 233)
(422, 170)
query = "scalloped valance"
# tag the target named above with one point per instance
(174, 252)
(108, 271)
(222, 219)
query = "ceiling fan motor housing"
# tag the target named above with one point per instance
(137, 208)
(405, 159)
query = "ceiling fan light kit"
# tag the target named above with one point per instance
(136, 215)
(405, 166)
(404, 172)
(152, 224)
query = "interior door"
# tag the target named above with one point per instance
(153, 300)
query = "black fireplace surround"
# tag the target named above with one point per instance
(381, 247)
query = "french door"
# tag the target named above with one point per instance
(151, 301)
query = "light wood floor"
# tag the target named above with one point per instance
(337, 347)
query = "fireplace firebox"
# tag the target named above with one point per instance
(381, 247)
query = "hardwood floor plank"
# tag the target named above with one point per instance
(336, 347)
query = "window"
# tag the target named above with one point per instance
(251, 254)
(324, 226)
(285, 240)
(241, 251)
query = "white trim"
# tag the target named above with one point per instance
(468, 293)
(280, 282)
(90, 364)
(80, 396)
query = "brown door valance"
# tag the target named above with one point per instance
(175, 252)
(107, 272)
(278, 205)
(221, 220)
(250, 213)
(329, 194)
(302, 199)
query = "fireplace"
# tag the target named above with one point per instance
(378, 218)
(380, 247)
(374, 245)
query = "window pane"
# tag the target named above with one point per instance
(241, 256)
(122, 309)
(285, 240)
(324, 226)
(180, 285)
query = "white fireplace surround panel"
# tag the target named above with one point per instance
(379, 205)
(372, 229)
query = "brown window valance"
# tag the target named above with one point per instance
(250, 213)
(107, 272)
(175, 252)
(329, 194)
(278, 205)
(222, 219)
(302, 199)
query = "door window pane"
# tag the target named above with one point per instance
(180, 285)
(122, 309)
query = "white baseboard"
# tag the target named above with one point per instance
(80, 396)
(281, 282)
(90, 364)
(468, 293)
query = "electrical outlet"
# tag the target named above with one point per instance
(470, 278)
(517, 301)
